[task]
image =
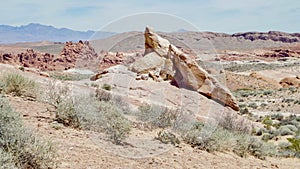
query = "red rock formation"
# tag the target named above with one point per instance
(70, 57)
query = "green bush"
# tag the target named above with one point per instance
(17, 85)
(295, 144)
(19, 147)
(106, 87)
(267, 122)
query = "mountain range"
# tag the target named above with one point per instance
(37, 32)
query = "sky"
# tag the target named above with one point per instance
(227, 16)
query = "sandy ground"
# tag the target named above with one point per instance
(77, 149)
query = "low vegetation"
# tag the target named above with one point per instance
(19, 148)
(209, 138)
(17, 85)
(69, 76)
(157, 116)
(96, 112)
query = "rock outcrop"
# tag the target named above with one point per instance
(181, 69)
(29, 59)
(70, 57)
(110, 59)
(271, 35)
(290, 82)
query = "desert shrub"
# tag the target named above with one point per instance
(242, 105)
(88, 113)
(103, 95)
(285, 130)
(115, 125)
(277, 116)
(267, 122)
(167, 137)
(95, 85)
(287, 100)
(245, 111)
(267, 92)
(216, 138)
(295, 144)
(6, 160)
(121, 103)
(55, 93)
(209, 138)
(17, 85)
(253, 105)
(19, 147)
(69, 76)
(157, 116)
(260, 149)
(297, 102)
(274, 133)
(106, 87)
(266, 137)
(292, 128)
(66, 114)
(22, 68)
(292, 89)
(233, 122)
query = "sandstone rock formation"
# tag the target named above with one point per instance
(29, 58)
(69, 57)
(179, 67)
(290, 82)
(110, 59)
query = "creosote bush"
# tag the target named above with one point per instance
(19, 148)
(17, 85)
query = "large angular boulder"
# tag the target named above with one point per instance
(150, 61)
(186, 73)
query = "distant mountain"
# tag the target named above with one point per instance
(36, 32)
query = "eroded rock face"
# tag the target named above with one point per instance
(183, 70)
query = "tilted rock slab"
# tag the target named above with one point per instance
(186, 72)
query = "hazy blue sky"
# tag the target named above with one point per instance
(207, 15)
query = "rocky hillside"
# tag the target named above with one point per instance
(202, 41)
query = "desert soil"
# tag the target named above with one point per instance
(77, 149)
